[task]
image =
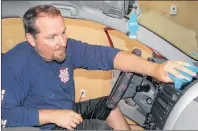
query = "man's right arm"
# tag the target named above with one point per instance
(13, 93)
(15, 114)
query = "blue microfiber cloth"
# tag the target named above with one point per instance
(179, 81)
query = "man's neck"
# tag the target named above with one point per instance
(46, 59)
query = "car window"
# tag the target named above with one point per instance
(181, 29)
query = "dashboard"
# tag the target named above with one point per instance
(166, 98)
(160, 106)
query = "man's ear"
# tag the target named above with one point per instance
(30, 38)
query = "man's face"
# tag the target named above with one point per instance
(51, 41)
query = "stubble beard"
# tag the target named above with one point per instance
(60, 57)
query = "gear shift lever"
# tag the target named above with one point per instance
(143, 88)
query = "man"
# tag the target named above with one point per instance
(37, 77)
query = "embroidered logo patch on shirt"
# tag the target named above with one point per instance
(64, 75)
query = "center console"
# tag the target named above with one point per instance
(167, 96)
(167, 99)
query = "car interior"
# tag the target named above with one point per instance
(146, 102)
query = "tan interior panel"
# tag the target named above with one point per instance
(12, 33)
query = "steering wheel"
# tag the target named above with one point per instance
(119, 89)
(121, 85)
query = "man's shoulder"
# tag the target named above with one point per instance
(17, 55)
(74, 44)
(18, 47)
(71, 41)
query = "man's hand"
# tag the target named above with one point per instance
(63, 118)
(67, 119)
(128, 62)
(170, 67)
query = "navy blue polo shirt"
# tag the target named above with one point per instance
(30, 83)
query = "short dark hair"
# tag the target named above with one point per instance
(31, 15)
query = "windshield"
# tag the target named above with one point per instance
(181, 29)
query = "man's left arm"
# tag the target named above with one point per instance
(94, 57)
(128, 62)
(91, 57)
